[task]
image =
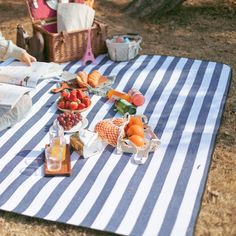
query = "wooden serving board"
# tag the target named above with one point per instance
(66, 85)
(65, 167)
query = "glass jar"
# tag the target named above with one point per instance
(57, 140)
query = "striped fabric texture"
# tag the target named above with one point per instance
(109, 192)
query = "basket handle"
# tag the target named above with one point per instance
(133, 34)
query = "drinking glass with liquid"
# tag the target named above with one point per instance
(57, 146)
(53, 159)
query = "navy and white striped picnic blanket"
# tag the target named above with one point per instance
(184, 103)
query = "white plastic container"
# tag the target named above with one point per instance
(126, 50)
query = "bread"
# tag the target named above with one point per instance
(82, 79)
(93, 78)
(83, 75)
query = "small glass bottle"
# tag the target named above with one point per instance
(136, 96)
(116, 95)
(57, 140)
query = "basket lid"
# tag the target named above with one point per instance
(43, 9)
(40, 10)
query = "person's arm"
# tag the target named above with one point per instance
(9, 49)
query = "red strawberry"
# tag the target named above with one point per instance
(73, 91)
(81, 106)
(86, 100)
(64, 93)
(61, 104)
(73, 97)
(67, 104)
(67, 97)
(80, 94)
(73, 106)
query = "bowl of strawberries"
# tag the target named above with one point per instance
(74, 100)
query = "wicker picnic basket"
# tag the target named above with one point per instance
(64, 47)
(123, 51)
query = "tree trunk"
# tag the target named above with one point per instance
(151, 8)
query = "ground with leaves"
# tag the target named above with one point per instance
(202, 29)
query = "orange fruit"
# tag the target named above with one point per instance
(137, 140)
(135, 120)
(135, 130)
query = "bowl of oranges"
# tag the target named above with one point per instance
(130, 134)
(135, 131)
(137, 138)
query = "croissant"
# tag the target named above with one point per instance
(93, 78)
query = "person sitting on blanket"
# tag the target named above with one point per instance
(10, 117)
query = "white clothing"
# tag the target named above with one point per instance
(9, 117)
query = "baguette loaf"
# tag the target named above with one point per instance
(82, 79)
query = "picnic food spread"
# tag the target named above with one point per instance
(128, 133)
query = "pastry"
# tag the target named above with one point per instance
(93, 78)
(82, 79)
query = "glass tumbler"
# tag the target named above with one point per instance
(53, 159)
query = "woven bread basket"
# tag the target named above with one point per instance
(124, 51)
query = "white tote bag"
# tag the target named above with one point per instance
(74, 16)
